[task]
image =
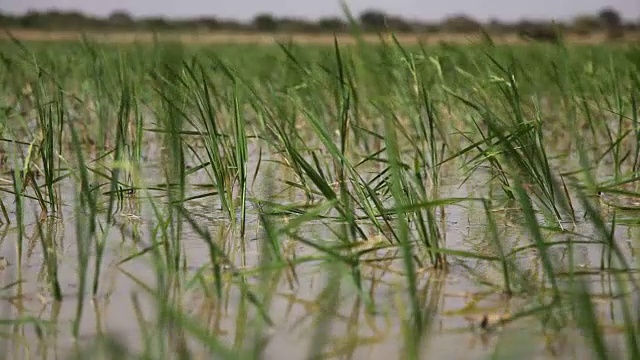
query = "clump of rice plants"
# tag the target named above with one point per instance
(168, 200)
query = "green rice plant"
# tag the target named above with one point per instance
(525, 150)
(172, 117)
(415, 320)
(50, 133)
(19, 215)
(241, 161)
(86, 209)
(227, 160)
(344, 171)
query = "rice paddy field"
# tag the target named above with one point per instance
(338, 201)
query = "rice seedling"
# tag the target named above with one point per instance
(374, 200)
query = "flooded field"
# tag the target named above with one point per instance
(369, 201)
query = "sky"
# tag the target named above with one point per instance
(312, 9)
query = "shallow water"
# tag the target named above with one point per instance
(457, 300)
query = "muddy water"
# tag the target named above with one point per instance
(458, 300)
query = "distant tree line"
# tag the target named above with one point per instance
(607, 20)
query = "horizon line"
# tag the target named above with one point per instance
(341, 15)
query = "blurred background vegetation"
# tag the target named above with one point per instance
(607, 21)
